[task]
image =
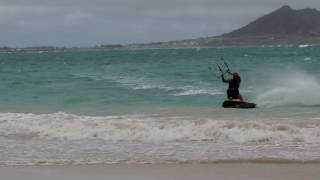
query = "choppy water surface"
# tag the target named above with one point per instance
(158, 105)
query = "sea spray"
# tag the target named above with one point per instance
(291, 89)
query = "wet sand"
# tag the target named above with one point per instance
(223, 171)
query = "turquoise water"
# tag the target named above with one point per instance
(113, 82)
(158, 106)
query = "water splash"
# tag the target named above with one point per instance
(293, 89)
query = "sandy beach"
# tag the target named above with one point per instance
(224, 171)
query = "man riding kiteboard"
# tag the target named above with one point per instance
(234, 84)
(233, 90)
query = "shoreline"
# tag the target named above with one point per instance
(225, 171)
(74, 163)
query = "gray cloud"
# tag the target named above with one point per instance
(86, 23)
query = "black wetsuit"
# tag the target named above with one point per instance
(233, 90)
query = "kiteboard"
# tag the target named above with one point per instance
(238, 104)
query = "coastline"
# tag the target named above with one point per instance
(225, 171)
(136, 47)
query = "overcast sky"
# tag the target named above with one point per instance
(90, 22)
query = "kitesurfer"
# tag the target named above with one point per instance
(234, 84)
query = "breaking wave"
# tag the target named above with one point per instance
(151, 128)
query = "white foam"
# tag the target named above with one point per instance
(304, 45)
(150, 129)
(307, 59)
(295, 88)
(198, 91)
(201, 88)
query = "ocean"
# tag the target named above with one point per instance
(158, 106)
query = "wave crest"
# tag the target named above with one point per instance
(150, 128)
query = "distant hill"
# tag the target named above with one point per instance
(282, 22)
(282, 26)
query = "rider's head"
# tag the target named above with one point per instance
(236, 76)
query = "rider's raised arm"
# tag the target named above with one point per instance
(223, 79)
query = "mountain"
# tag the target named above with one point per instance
(282, 26)
(283, 22)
